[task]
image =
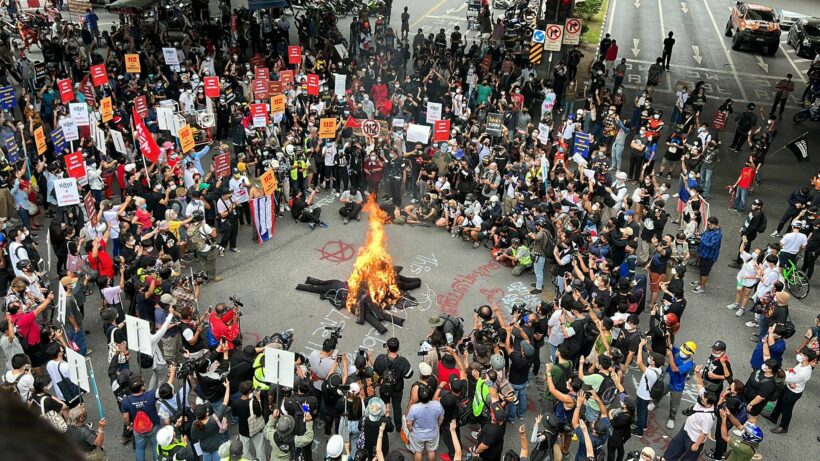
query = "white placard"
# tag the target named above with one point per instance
(79, 113)
(99, 140)
(259, 122)
(62, 297)
(279, 367)
(543, 133)
(398, 123)
(138, 332)
(66, 191)
(339, 86)
(69, 129)
(165, 116)
(119, 143)
(433, 111)
(79, 370)
(170, 55)
(418, 133)
(341, 49)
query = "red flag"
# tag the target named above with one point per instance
(352, 122)
(148, 145)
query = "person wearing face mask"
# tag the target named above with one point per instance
(760, 388)
(636, 159)
(795, 384)
(754, 223)
(651, 372)
(688, 443)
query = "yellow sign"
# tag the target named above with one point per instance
(277, 104)
(106, 109)
(269, 184)
(132, 63)
(327, 128)
(186, 138)
(40, 140)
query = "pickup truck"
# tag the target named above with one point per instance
(754, 25)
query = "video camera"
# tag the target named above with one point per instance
(234, 299)
(284, 339)
(335, 334)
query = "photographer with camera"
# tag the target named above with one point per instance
(224, 325)
(687, 444)
(392, 369)
(520, 361)
(323, 364)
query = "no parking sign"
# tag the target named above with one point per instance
(553, 39)
(572, 31)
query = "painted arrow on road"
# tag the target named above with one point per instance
(762, 64)
(683, 7)
(635, 49)
(456, 10)
(697, 57)
(637, 3)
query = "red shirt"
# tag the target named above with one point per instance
(220, 328)
(102, 262)
(747, 175)
(26, 323)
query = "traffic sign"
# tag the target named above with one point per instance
(572, 31)
(554, 33)
(538, 36)
(371, 128)
(536, 52)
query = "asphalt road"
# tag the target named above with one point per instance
(265, 277)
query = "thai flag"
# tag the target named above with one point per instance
(263, 211)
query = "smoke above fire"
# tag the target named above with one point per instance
(373, 270)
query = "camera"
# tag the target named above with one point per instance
(336, 335)
(201, 276)
(521, 309)
(234, 299)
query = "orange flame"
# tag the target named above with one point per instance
(374, 266)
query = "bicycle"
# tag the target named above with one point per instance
(796, 281)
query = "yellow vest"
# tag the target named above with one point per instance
(259, 381)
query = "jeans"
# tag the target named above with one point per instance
(25, 217)
(617, 153)
(353, 428)
(518, 409)
(539, 263)
(643, 413)
(446, 437)
(553, 351)
(214, 456)
(784, 407)
(395, 401)
(706, 180)
(763, 324)
(141, 442)
(740, 199)
(680, 448)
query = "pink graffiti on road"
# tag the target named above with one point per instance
(450, 302)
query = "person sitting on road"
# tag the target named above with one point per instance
(303, 210)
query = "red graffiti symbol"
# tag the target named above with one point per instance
(336, 251)
(493, 295)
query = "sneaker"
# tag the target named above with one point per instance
(445, 457)
(221, 251)
(651, 406)
(312, 225)
(732, 306)
(774, 234)
(88, 352)
(752, 324)
(346, 220)
(711, 455)
(698, 289)
(676, 196)
(323, 225)
(216, 279)
(235, 250)
(694, 283)
(739, 312)
(734, 265)
(535, 291)
(476, 244)
(670, 424)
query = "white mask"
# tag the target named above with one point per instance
(799, 358)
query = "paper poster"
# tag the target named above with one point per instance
(211, 86)
(132, 63)
(58, 139)
(294, 54)
(138, 333)
(339, 86)
(8, 98)
(259, 115)
(418, 133)
(69, 129)
(119, 143)
(75, 165)
(240, 195)
(40, 140)
(99, 76)
(398, 123)
(66, 191)
(61, 303)
(170, 56)
(277, 104)
(279, 367)
(186, 139)
(261, 73)
(441, 130)
(222, 165)
(327, 128)
(141, 105)
(260, 89)
(543, 133)
(106, 109)
(79, 371)
(433, 111)
(269, 183)
(313, 84)
(79, 113)
(66, 91)
(99, 140)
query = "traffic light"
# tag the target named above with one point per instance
(557, 11)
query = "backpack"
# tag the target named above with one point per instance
(112, 346)
(143, 423)
(390, 379)
(464, 412)
(607, 391)
(195, 237)
(660, 387)
(458, 328)
(789, 329)
(561, 385)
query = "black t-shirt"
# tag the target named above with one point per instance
(167, 242)
(297, 206)
(371, 434)
(713, 365)
(519, 368)
(449, 402)
(759, 384)
(242, 410)
(620, 423)
(677, 308)
(49, 403)
(575, 341)
(492, 435)
(399, 364)
(293, 405)
(157, 209)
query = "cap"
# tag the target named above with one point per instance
(621, 175)
(719, 346)
(690, 347)
(757, 202)
(168, 299)
(648, 451)
(529, 351)
(494, 198)
(629, 213)
(436, 321)
(448, 361)
(285, 425)
(375, 408)
(425, 369)
(108, 314)
(335, 445)
(165, 435)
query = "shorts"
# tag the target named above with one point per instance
(705, 266)
(420, 446)
(655, 281)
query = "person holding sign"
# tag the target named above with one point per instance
(86, 439)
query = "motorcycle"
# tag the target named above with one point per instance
(810, 113)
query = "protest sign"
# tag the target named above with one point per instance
(186, 138)
(66, 91)
(58, 139)
(132, 63)
(277, 104)
(433, 111)
(170, 56)
(259, 115)
(106, 109)
(69, 129)
(313, 84)
(418, 133)
(138, 334)
(327, 128)
(79, 113)
(240, 195)
(269, 183)
(294, 54)
(340, 84)
(260, 89)
(119, 143)
(441, 130)
(211, 86)
(79, 371)
(66, 191)
(7, 97)
(222, 165)
(75, 165)
(141, 105)
(90, 208)
(40, 140)
(99, 76)
(494, 124)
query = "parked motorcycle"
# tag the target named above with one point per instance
(810, 113)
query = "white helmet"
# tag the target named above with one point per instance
(335, 445)
(165, 435)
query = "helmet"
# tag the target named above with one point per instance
(335, 445)
(23, 263)
(690, 346)
(752, 433)
(497, 362)
(197, 216)
(165, 435)
(671, 320)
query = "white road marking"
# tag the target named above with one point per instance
(635, 43)
(761, 63)
(707, 70)
(637, 3)
(683, 7)
(725, 50)
(611, 16)
(697, 57)
(456, 10)
(794, 66)
(448, 17)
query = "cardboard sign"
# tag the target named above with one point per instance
(69, 129)
(170, 56)
(141, 104)
(12, 148)
(99, 76)
(581, 146)
(211, 86)
(40, 140)
(313, 84)
(441, 131)
(138, 334)
(261, 73)
(78, 369)
(418, 133)
(186, 138)
(274, 87)
(260, 89)
(66, 92)
(277, 104)
(58, 139)
(269, 183)
(79, 113)
(339, 84)
(240, 195)
(433, 111)
(279, 367)
(90, 208)
(7, 97)
(222, 165)
(494, 123)
(132, 63)
(75, 165)
(294, 54)
(327, 128)
(66, 191)
(106, 109)
(286, 77)
(259, 114)
(119, 142)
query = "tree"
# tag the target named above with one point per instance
(587, 9)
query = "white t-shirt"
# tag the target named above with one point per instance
(193, 206)
(16, 249)
(793, 241)
(647, 381)
(747, 273)
(25, 383)
(770, 275)
(700, 422)
(797, 377)
(346, 196)
(54, 369)
(113, 222)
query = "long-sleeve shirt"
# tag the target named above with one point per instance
(710, 244)
(299, 441)
(159, 359)
(197, 159)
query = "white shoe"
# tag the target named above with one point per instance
(651, 406)
(670, 424)
(739, 312)
(731, 306)
(774, 234)
(676, 196)
(752, 324)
